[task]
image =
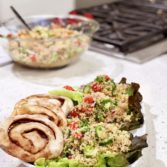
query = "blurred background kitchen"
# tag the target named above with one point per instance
(134, 31)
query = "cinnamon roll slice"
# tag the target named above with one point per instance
(29, 137)
(54, 107)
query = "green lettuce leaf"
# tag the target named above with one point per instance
(61, 162)
(41, 162)
(111, 160)
(73, 95)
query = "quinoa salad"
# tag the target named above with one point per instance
(48, 47)
(98, 126)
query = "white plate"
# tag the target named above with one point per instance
(11, 95)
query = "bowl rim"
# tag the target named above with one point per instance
(47, 16)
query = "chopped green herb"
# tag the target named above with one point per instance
(100, 78)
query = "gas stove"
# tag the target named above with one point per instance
(134, 30)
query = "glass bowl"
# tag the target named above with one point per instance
(49, 50)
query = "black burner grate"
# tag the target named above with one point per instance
(129, 26)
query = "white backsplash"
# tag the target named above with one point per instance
(31, 7)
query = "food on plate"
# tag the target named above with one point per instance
(103, 100)
(97, 145)
(54, 107)
(47, 47)
(30, 137)
(87, 126)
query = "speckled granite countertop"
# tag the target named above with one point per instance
(17, 82)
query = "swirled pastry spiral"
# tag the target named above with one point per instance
(29, 137)
(54, 107)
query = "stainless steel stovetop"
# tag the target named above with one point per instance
(136, 31)
(139, 56)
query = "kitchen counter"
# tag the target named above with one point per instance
(17, 82)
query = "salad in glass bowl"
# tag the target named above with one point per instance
(53, 41)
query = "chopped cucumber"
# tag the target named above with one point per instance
(90, 151)
(107, 103)
(87, 89)
(100, 132)
(113, 85)
(84, 129)
(106, 141)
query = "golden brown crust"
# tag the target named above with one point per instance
(30, 137)
(54, 107)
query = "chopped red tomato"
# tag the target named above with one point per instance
(78, 135)
(90, 109)
(78, 42)
(87, 110)
(73, 12)
(107, 78)
(74, 114)
(70, 157)
(96, 87)
(72, 21)
(73, 125)
(88, 15)
(113, 112)
(33, 58)
(82, 109)
(69, 88)
(57, 21)
(88, 99)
